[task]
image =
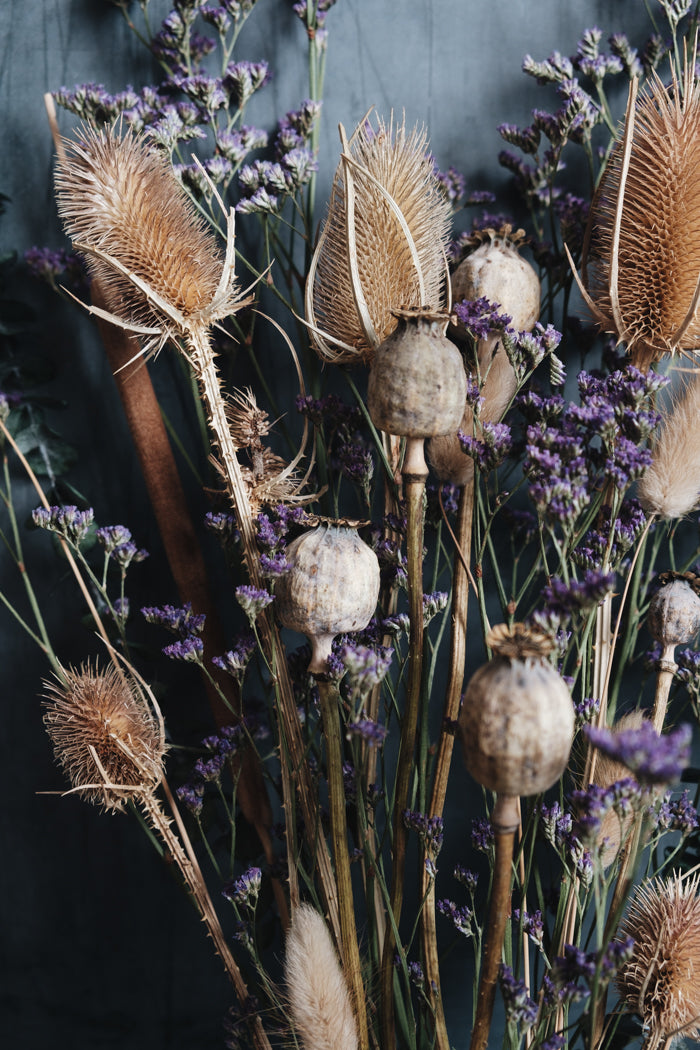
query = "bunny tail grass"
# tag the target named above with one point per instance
(318, 995)
(671, 485)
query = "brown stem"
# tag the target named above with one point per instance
(664, 678)
(458, 644)
(414, 474)
(505, 821)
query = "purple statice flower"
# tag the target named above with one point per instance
(235, 144)
(365, 666)
(49, 265)
(554, 69)
(273, 565)
(373, 733)
(451, 183)
(572, 212)
(260, 201)
(481, 317)
(466, 877)
(190, 650)
(415, 974)
(613, 957)
(556, 465)
(91, 102)
(520, 1008)
(217, 17)
(461, 918)
(120, 610)
(242, 79)
(299, 164)
(677, 814)
(652, 758)
(555, 1042)
(532, 924)
(526, 350)
(125, 553)
(490, 449)
(586, 710)
(209, 769)
(397, 624)
(180, 620)
(569, 969)
(430, 830)
(244, 890)
(597, 546)
(589, 61)
(356, 463)
(562, 601)
(596, 801)
(312, 13)
(555, 823)
(252, 601)
(113, 536)
(192, 797)
(295, 128)
(433, 604)
(483, 836)
(329, 412)
(223, 523)
(67, 521)
(538, 409)
(236, 660)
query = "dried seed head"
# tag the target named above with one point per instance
(646, 246)
(613, 828)
(248, 423)
(496, 271)
(670, 487)
(674, 611)
(661, 981)
(519, 641)
(119, 196)
(331, 586)
(417, 384)
(517, 719)
(104, 734)
(396, 231)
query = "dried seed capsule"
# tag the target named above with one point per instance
(331, 586)
(497, 271)
(517, 719)
(674, 611)
(417, 385)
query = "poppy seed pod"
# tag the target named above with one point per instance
(331, 586)
(517, 719)
(674, 611)
(417, 384)
(497, 271)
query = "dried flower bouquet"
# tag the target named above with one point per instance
(476, 547)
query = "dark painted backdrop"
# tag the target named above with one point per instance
(98, 947)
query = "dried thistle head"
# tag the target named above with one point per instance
(519, 642)
(661, 981)
(158, 263)
(383, 244)
(647, 221)
(105, 735)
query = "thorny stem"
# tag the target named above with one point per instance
(330, 700)
(505, 820)
(414, 474)
(202, 358)
(460, 597)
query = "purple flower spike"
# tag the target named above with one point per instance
(653, 759)
(252, 601)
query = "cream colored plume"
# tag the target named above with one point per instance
(383, 244)
(671, 485)
(318, 995)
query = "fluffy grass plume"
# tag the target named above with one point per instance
(384, 173)
(671, 485)
(646, 219)
(318, 996)
(661, 981)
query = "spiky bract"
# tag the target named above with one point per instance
(397, 160)
(661, 981)
(104, 734)
(658, 256)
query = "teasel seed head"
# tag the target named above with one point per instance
(517, 718)
(383, 245)
(105, 734)
(646, 223)
(122, 205)
(661, 981)
(319, 1000)
(674, 610)
(670, 487)
(331, 586)
(417, 384)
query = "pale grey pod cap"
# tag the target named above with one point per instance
(674, 611)
(498, 272)
(516, 726)
(331, 586)
(417, 385)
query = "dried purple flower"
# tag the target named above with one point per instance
(653, 759)
(520, 1008)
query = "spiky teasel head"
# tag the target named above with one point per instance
(383, 244)
(661, 981)
(158, 264)
(105, 735)
(646, 219)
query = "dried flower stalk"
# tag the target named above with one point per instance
(670, 487)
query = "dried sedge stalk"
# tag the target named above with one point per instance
(318, 995)
(383, 243)
(670, 487)
(646, 219)
(163, 278)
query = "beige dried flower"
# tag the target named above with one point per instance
(646, 219)
(671, 485)
(318, 995)
(519, 641)
(383, 244)
(614, 829)
(661, 981)
(105, 735)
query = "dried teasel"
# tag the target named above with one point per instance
(106, 735)
(661, 980)
(645, 285)
(383, 244)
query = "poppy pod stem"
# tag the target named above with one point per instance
(505, 820)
